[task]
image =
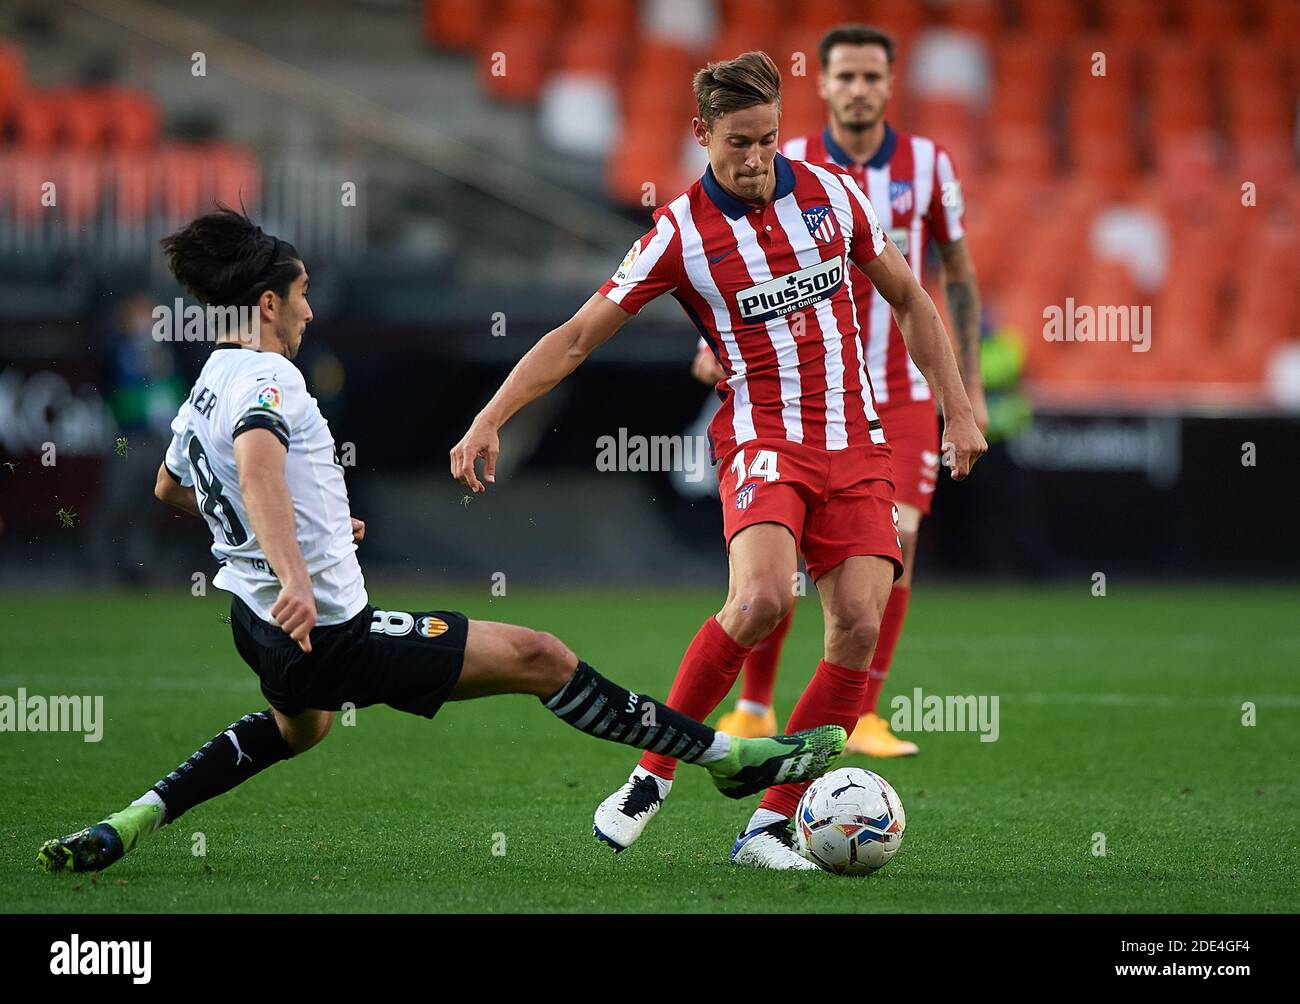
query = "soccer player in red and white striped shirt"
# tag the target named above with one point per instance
(757, 252)
(913, 186)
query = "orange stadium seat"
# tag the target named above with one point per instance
(639, 160)
(763, 18)
(982, 18)
(133, 187)
(26, 170)
(615, 19)
(135, 120)
(13, 79)
(802, 109)
(1282, 22)
(1184, 146)
(1100, 136)
(1260, 108)
(952, 124)
(1024, 81)
(180, 166)
(1022, 150)
(1051, 20)
(1188, 308)
(819, 16)
(79, 178)
(1024, 72)
(232, 174)
(1098, 284)
(747, 37)
(590, 51)
(1218, 21)
(87, 118)
(1180, 82)
(1267, 302)
(538, 16)
(1079, 58)
(802, 113)
(901, 18)
(455, 24)
(659, 69)
(517, 73)
(38, 120)
(1136, 22)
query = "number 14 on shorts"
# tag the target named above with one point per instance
(763, 467)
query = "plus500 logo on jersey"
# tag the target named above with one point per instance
(788, 293)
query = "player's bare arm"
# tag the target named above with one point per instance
(961, 291)
(555, 356)
(929, 347)
(167, 489)
(260, 458)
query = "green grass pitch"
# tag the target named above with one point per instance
(1120, 716)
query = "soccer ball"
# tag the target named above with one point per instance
(850, 822)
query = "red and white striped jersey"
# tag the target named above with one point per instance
(915, 191)
(768, 287)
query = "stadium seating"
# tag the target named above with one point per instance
(1197, 98)
(117, 179)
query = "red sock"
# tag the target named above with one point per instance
(891, 626)
(759, 679)
(709, 668)
(832, 698)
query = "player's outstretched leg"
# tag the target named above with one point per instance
(247, 747)
(502, 658)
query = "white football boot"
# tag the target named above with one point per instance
(770, 846)
(623, 817)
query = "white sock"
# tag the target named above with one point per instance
(753, 707)
(152, 797)
(763, 817)
(718, 749)
(665, 784)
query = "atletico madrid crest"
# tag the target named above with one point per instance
(745, 496)
(900, 197)
(821, 224)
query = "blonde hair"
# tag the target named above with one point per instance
(748, 80)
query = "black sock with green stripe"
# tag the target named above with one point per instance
(601, 708)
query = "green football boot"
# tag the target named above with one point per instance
(755, 764)
(96, 847)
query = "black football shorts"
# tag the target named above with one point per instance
(409, 661)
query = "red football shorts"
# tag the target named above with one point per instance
(912, 430)
(836, 504)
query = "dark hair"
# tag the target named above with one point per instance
(748, 80)
(225, 260)
(854, 34)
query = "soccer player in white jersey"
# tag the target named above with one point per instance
(252, 454)
(913, 186)
(757, 252)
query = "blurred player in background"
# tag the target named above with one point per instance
(757, 253)
(914, 189)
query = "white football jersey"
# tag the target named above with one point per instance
(238, 390)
